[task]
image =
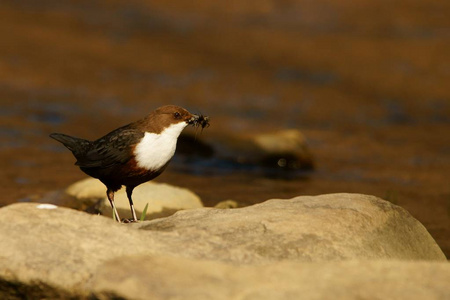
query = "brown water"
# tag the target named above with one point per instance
(367, 83)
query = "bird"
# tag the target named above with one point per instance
(132, 154)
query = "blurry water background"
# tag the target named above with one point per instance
(367, 82)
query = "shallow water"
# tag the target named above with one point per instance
(366, 84)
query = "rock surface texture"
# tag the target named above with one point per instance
(200, 279)
(328, 227)
(346, 245)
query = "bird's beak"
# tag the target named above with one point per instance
(193, 120)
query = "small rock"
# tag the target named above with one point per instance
(89, 189)
(284, 149)
(163, 199)
(226, 204)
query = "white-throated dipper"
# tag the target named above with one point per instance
(132, 154)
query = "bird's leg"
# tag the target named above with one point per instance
(110, 195)
(133, 212)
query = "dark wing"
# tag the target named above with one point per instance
(113, 149)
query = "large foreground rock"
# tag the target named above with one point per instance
(163, 277)
(327, 227)
(56, 252)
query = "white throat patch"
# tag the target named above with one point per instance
(155, 150)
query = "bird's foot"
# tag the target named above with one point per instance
(129, 221)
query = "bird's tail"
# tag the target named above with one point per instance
(76, 145)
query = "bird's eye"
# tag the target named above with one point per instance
(177, 115)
